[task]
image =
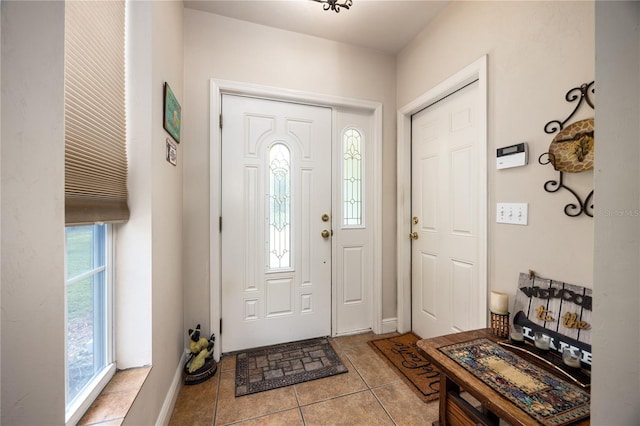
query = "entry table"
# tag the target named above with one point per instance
(454, 410)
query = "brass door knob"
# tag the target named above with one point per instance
(413, 235)
(325, 234)
(325, 217)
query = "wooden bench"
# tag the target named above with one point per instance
(560, 310)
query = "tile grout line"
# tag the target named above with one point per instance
(248, 419)
(304, 423)
(215, 412)
(356, 369)
(382, 405)
(369, 388)
(335, 397)
(295, 392)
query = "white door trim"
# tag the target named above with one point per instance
(476, 70)
(217, 88)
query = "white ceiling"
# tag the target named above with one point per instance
(386, 25)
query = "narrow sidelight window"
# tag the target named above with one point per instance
(352, 178)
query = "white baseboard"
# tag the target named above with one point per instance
(172, 396)
(389, 325)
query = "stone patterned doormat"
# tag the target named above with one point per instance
(549, 400)
(404, 356)
(276, 366)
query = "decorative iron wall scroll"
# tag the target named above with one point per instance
(572, 149)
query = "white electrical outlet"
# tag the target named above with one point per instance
(512, 213)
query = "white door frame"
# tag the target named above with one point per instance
(217, 88)
(476, 70)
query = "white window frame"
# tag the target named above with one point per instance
(85, 398)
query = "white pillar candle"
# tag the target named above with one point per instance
(499, 303)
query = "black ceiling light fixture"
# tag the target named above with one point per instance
(335, 4)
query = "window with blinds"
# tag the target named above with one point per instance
(95, 124)
(95, 191)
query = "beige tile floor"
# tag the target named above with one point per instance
(371, 393)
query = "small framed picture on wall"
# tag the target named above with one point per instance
(172, 152)
(172, 113)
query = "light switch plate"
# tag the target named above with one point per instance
(512, 213)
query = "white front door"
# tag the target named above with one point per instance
(276, 190)
(445, 202)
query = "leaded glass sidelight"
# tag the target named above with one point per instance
(352, 178)
(279, 200)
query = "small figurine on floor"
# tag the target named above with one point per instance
(197, 343)
(198, 360)
(201, 355)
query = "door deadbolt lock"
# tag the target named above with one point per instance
(415, 220)
(413, 235)
(325, 217)
(325, 234)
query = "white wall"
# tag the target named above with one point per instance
(32, 214)
(228, 49)
(134, 245)
(162, 183)
(616, 298)
(0, 215)
(537, 51)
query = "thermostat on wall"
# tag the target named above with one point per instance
(512, 156)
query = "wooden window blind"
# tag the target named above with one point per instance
(95, 123)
